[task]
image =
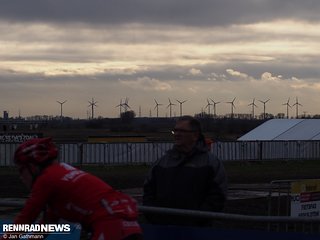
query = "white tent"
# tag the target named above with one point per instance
(285, 129)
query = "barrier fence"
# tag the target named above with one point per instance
(295, 198)
(293, 213)
(147, 153)
(225, 225)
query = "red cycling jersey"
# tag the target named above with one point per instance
(65, 192)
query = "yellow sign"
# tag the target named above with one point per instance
(309, 185)
(305, 198)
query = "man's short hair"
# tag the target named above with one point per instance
(194, 123)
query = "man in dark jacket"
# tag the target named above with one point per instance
(188, 176)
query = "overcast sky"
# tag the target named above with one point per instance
(109, 50)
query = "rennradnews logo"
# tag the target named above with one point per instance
(33, 231)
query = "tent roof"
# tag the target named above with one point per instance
(285, 129)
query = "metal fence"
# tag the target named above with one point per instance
(147, 153)
(112, 153)
(6, 153)
(98, 153)
(230, 221)
(284, 201)
(267, 150)
(239, 221)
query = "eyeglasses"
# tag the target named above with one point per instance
(180, 130)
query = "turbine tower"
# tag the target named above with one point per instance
(61, 103)
(157, 107)
(92, 104)
(232, 106)
(253, 106)
(126, 105)
(214, 107)
(208, 106)
(170, 106)
(120, 105)
(181, 102)
(264, 107)
(139, 111)
(288, 105)
(297, 104)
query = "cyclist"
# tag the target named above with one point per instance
(65, 192)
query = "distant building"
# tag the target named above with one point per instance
(285, 130)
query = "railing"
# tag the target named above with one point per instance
(147, 153)
(227, 220)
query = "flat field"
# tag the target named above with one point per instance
(124, 177)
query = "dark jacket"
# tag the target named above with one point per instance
(196, 181)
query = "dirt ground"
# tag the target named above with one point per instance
(247, 202)
(242, 178)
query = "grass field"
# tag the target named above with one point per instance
(264, 172)
(124, 177)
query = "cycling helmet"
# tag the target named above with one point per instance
(37, 150)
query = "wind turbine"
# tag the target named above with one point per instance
(170, 106)
(288, 105)
(126, 105)
(214, 107)
(208, 106)
(264, 107)
(157, 106)
(120, 107)
(181, 102)
(61, 103)
(92, 104)
(253, 106)
(232, 106)
(139, 111)
(297, 104)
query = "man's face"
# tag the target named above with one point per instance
(185, 138)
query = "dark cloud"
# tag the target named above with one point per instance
(177, 12)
